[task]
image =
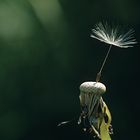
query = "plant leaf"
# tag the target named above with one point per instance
(104, 133)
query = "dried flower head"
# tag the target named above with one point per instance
(112, 36)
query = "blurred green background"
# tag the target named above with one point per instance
(45, 54)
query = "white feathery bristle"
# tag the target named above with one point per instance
(104, 33)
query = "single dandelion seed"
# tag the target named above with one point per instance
(107, 34)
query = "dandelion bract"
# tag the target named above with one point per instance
(112, 36)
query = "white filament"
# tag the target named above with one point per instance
(104, 33)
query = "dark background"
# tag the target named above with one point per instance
(45, 54)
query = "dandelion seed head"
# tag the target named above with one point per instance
(93, 88)
(112, 36)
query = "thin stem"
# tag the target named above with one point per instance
(100, 72)
(105, 59)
